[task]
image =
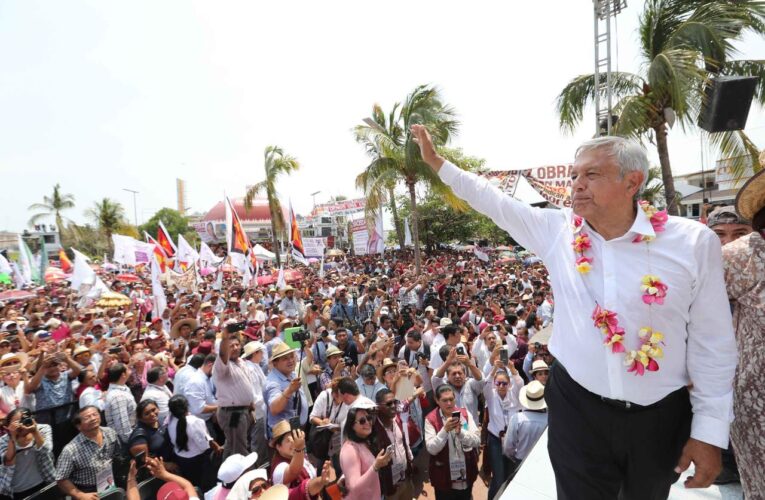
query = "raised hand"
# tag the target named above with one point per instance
(421, 136)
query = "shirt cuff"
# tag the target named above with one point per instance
(710, 430)
(448, 171)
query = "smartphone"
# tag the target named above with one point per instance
(503, 356)
(295, 423)
(389, 450)
(461, 350)
(115, 350)
(140, 459)
(456, 414)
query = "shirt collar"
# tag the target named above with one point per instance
(642, 224)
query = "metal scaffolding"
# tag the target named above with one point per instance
(604, 12)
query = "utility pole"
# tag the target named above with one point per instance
(135, 209)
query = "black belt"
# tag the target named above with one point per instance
(621, 404)
(235, 408)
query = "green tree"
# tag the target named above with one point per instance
(396, 157)
(175, 222)
(52, 206)
(276, 163)
(108, 217)
(683, 44)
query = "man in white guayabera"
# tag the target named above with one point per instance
(643, 338)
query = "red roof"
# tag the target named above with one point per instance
(258, 212)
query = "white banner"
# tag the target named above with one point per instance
(131, 252)
(360, 236)
(314, 247)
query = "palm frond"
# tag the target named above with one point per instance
(636, 115)
(672, 75)
(749, 68)
(252, 192)
(581, 91)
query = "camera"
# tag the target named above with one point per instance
(314, 307)
(421, 355)
(301, 335)
(115, 350)
(236, 327)
(347, 360)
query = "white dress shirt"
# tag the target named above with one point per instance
(181, 378)
(699, 345)
(161, 395)
(199, 395)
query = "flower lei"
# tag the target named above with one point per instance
(654, 292)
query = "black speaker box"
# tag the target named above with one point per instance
(727, 100)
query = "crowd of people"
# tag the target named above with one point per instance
(397, 379)
(366, 379)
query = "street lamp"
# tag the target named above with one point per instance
(135, 210)
(313, 195)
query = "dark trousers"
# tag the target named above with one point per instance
(499, 464)
(601, 451)
(455, 494)
(193, 468)
(21, 495)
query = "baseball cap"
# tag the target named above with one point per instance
(234, 466)
(725, 215)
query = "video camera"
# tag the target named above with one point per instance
(301, 335)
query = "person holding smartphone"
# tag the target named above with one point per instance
(27, 455)
(452, 440)
(360, 457)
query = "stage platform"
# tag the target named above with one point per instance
(535, 481)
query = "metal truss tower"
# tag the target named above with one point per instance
(604, 12)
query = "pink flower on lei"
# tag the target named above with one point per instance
(581, 243)
(654, 290)
(605, 320)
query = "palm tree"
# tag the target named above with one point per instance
(52, 205)
(276, 163)
(396, 157)
(108, 216)
(379, 189)
(683, 43)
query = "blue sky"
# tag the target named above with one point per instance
(105, 95)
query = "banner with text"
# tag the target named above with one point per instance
(360, 235)
(314, 247)
(340, 207)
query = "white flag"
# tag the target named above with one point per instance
(321, 267)
(18, 279)
(281, 283)
(218, 285)
(186, 254)
(82, 273)
(206, 256)
(247, 277)
(480, 254)
(407, 233)
(5, 266)
(26, 267)
(158, 293)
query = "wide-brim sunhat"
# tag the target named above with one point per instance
(175, 330)
(751, 197)
(532, 396)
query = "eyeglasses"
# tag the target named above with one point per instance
(363, 420)
(500, 383)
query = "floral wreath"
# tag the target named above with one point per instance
(654, 292)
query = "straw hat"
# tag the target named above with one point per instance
(532, 396)
(333, 351)
(251, 348)
(281, 428)
(751, 197)
(80, 350)
(445, 322)
(175, 330)
(539, 366)
(281, 350)
(387, 363)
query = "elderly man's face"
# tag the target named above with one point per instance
(598, 188)
(731, 232)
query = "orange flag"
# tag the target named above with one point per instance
(66, 264)
(164, 240)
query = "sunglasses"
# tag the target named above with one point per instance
(500, 383)
(363, 420)
(259, 488)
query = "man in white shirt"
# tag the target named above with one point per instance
(636, 290)
(253, 354)
(156, 390)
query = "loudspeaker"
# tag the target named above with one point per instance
(726, 103)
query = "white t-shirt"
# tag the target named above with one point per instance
(278, 476)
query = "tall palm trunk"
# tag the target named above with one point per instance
(415, 224)
(666, 169)
(274, 239)
(396, 220)
(59, 222)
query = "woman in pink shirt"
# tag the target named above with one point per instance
(357, 460)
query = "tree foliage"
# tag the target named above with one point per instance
(175, 222)
(683, 45)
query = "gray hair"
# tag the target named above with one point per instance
(629, 155)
